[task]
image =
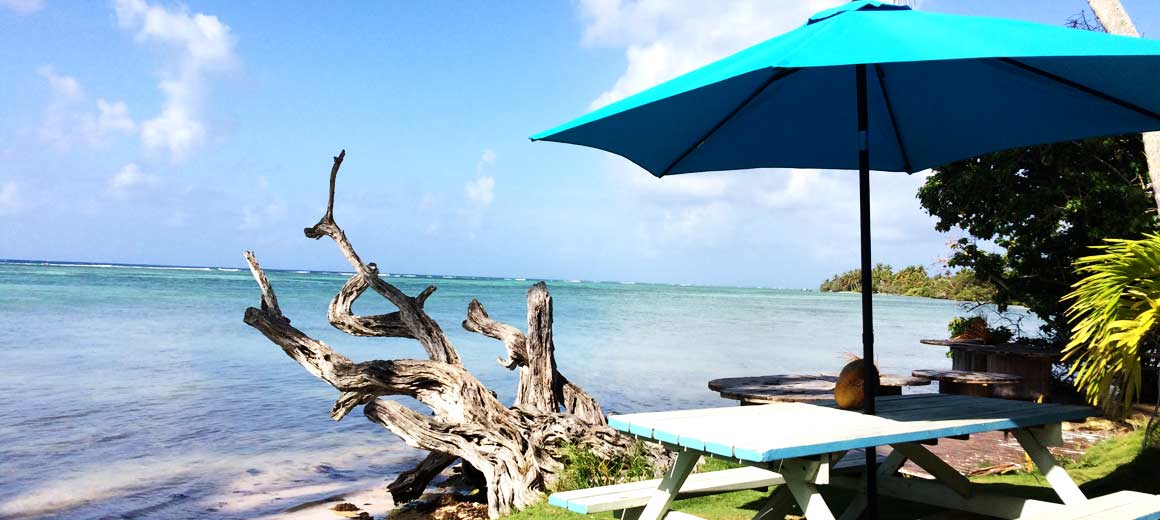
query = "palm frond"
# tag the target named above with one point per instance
(1114, 311)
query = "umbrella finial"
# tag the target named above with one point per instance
(856, 5)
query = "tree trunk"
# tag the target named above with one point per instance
(1115, 20)
(518, 450)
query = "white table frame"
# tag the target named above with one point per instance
(803, 474)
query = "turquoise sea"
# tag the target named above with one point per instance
(137, 392)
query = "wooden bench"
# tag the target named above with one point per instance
(1123, 505)
(628, 499)
(962, 382)
(1031, 362)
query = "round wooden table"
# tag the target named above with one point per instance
(960, 382)
(1032, 363)
(798, 387)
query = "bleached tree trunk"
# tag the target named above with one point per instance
(1115, 20)
(517, 449)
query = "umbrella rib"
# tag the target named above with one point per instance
(781, 73)
(893, 122)
(1081, 87)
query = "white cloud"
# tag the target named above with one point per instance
(22, 6)
(678, 187)
(486, 160)
(11, 201)
(67, 123)
(481, 190)
(130, 178)
(200, 45)
(665, 38)
(62, 86)
(114, 115)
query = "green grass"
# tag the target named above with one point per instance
(1112, 465)
(583, 469)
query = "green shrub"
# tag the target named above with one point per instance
(1115, 316)
(962, 325)
(584, 469)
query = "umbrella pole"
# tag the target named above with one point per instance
(869, 388)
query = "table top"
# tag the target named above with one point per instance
(768, 432)
(794, 387)
(1010, 349)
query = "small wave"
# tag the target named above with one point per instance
(627, 283)
(302, 272)
(122, 266)
(408, 276)
(228, 269)
(573, 281)
(521, 279)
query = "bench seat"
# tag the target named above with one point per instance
(636, 494)
(1122, 505)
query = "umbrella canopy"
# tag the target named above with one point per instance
(869, 85)
(940, 88)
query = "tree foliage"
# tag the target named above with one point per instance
(914, 281)
(1043, 206)
(1115, 313)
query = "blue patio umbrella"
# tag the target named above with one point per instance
(875, 86)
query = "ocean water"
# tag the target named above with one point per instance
(139, 393)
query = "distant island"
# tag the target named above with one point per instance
(914, 281)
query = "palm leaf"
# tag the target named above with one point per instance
(1113, 312)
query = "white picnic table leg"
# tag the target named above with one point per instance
(890, 466)
(777, 506)
(670, 486)
(938, 468)
(799, 476)
(1060, 481)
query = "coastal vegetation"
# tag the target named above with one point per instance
(913, 280)
(977, 328)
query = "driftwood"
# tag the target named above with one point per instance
(516, 449)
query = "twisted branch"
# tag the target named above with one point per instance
(541, 386)
(517, 449)
(410, 319)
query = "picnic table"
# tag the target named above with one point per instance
(802, 388)
(1032, 363)
(802, 441)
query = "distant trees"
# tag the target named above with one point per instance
(914, 281)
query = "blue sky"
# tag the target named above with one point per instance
(145, 131)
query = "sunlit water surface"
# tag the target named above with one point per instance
(138, 392)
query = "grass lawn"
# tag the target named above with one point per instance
(1112, 465)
